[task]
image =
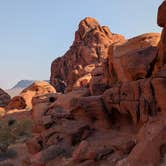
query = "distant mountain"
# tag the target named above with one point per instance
(23, 84)
(16, 89)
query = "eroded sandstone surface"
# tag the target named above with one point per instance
(88, 51)
(24, 99)
(108, 108)
(113, 109)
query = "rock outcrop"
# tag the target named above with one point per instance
(25, 98)
(161, 56)
(4, 98)
(114, 113)
(20, 86)
(133, 59)
(89, 49)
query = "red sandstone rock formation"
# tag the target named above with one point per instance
(123, 126)
(4, 98)
(25, 98)
(133, 59)
(161, 56)
(88, 50)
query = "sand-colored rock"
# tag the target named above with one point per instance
(17, 102)
(24, 100)
(161, 54)
(2, 111)
(98, 83)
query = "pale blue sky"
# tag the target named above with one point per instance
(34, 32)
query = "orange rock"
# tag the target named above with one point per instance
(88, 49)
(98, 83)
(161, 55)
(119, 118)
(25, 98)
(133, 59)
(161, 18)
(36, 89)
(2, 111)
(55, 104)
(17, 102)
(151, 139)
(40, 105)
(159, 86)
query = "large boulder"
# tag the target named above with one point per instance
(4, 98)
(150, 148)
(89, 48)
(54, 104)
(161, 55)
(17, 102)
(161, 17)
(24, 100)
(133, 59)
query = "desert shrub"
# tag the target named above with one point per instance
(6, 138)
(12, 131)
(22, 128)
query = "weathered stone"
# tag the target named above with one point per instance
(133, 59)
(161, 17)
(25, 98)
(89, 48)
(4, 98)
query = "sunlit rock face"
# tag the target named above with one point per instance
(24, 99)
(88, 50)
(113, 109)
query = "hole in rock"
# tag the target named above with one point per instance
(11, 122)
(52, 99)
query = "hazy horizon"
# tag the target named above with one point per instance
(34, 33)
